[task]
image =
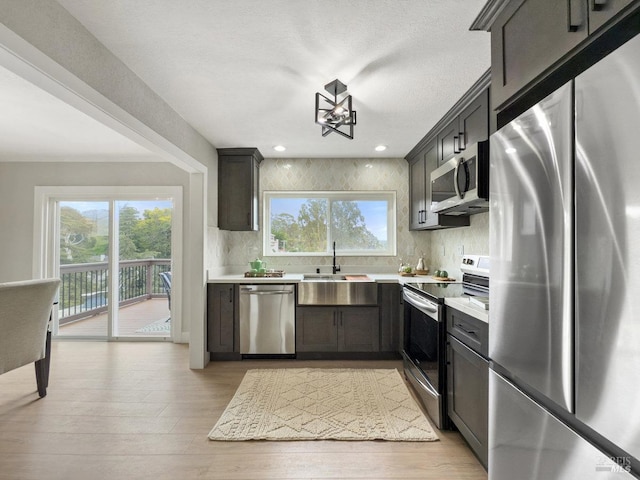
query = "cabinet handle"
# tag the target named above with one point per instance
(597, 5)
(463, 141)
(456, 144)
(461, 327)
(249, 219)
(231, 295)
(575, 17)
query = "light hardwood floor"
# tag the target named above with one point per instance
(136, 411)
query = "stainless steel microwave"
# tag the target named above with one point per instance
(461, 185)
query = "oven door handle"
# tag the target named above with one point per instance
(424, 385)
(420, 302)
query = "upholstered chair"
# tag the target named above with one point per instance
(25, 309)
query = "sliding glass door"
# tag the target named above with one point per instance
(83, 268)
(114, 259)
(144, 268)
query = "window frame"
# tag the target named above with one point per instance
(333, 195)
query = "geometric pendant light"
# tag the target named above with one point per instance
(335, 115)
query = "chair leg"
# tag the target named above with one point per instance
(41, 377)
(42, 368)
(47, 359)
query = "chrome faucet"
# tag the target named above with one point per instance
(336, 268)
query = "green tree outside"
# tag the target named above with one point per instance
(308, 231)
(140, 237)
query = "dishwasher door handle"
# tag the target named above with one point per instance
(269, 292)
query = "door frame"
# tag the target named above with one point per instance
(45, 245)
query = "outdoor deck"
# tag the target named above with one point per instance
(132, 318)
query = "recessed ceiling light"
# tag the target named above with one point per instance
(381, 148)
(279, 148)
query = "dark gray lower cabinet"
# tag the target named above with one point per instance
(389, 300)
(316, 329)
(468, 381)
(221, 317)
(337, 329)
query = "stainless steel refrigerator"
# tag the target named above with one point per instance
(565, 281)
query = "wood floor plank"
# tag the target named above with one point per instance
(135, 410)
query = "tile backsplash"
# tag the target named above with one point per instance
(473, 240)
(230, 252)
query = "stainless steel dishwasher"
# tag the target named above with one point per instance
(267, 319)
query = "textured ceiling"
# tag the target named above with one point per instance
(244, 72)
(36, 126)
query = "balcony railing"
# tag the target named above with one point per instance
(84, 287)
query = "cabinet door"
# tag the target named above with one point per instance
(600, 11)
(389, 301)
(448, 141)
(418, 183)
(235, 192)
(529, 37)
(359, 329)
(430, 219)
(316, 329)
(220, 317)
(474, 121)
(468, 395)
(238, 177)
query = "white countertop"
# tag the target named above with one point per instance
(459, 303)
(465, 306)
(298, 277)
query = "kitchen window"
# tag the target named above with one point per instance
(307, 223)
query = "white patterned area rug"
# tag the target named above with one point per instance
(322, 404)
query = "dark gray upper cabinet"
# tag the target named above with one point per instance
(473, 121)
(529, 36)
(601, 11)
(467, 128)
(418, 187)
(238, 188)
(466, 123)
(448, 141)
(538, 45)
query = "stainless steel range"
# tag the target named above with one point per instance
(425, 332)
